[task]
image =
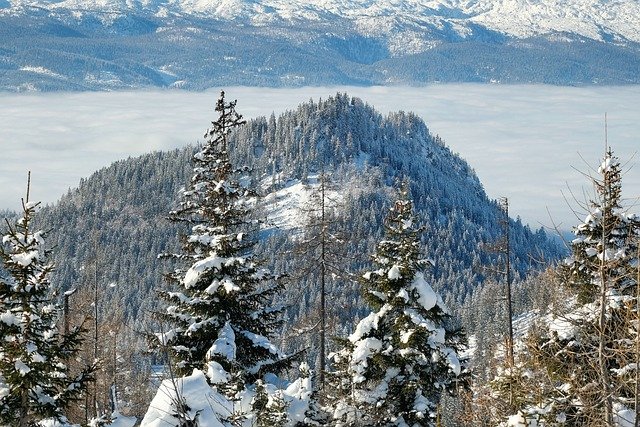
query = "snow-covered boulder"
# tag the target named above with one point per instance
(203, 403)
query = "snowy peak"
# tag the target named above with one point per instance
(595, 19)
(198, 44)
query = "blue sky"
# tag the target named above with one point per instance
(528, 143)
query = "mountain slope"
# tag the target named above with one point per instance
(115, 221)
(111, 44)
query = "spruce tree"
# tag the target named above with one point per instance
(219, 309)
(596, 356)
(35, 380)
(605, 241)
(588, 354)
(395, 366)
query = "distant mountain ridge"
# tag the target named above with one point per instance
(599, 20)
(112, 44)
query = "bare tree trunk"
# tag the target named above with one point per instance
(602, 359)
(507, 252)
(24, 409)
(506, 249)
(96, 325)
(602, 335)
(637, 389)
(323, 288)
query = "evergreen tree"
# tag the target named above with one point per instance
(404, 355)
(605, 242)
(35, 380)
(588, 354)
(598, 352)
(219, 312)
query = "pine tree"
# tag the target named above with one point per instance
(219, 312)
(35, 380)
(588, 354)
(404, 355)
(607, 230)
(602, 272)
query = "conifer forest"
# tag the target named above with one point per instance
(326, 266)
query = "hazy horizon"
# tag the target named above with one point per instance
(523, 141)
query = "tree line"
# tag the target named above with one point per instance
(223, 311)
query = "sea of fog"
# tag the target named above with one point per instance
(530, 143)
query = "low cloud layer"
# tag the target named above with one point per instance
(523, 141)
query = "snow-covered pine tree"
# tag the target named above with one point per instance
(219, 312)
(399, 360)
(35, 380)
(602, 271)
(608, 229)
(588, 354)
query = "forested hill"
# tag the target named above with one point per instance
(115, 219)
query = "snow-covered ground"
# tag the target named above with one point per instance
(208, 406)
(290, 207)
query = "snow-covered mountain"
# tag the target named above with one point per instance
(404, 21)
(363, 153)
(124, 43)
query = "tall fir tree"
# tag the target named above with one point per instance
(605, 243)
(597, 355)
(219, 312)
(36, 384)
(588, 354)
(395, 366)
